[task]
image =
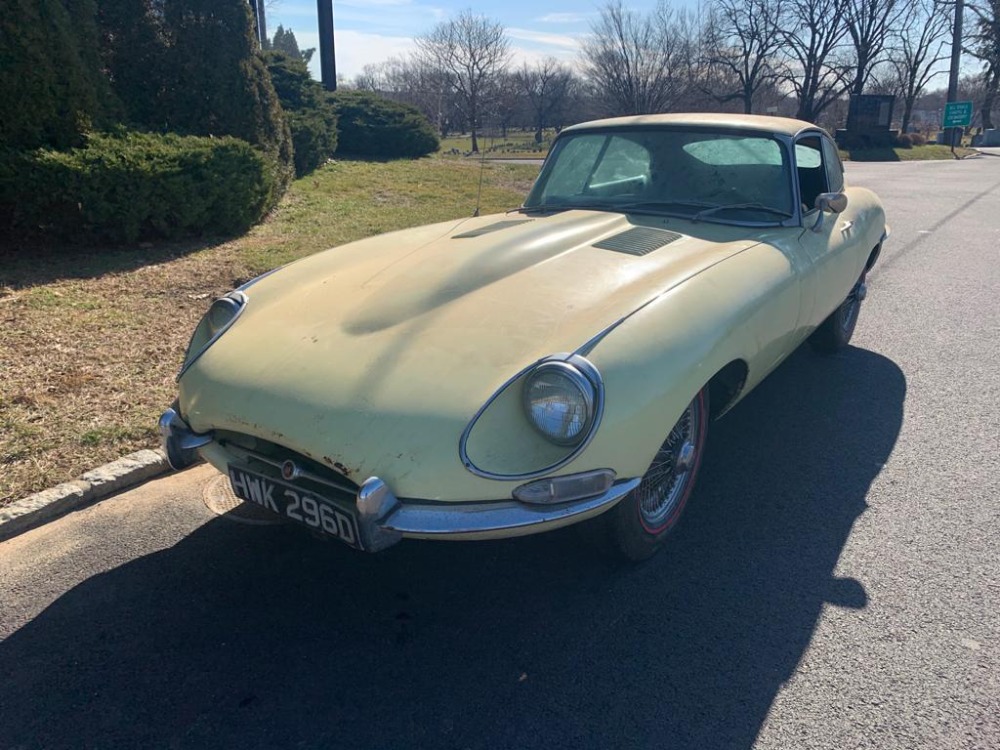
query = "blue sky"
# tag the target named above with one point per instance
(368, 31)
(372, 30)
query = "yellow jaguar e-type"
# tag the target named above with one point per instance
(509, 374)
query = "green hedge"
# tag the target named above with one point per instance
(310, 116)
(314, 135)
(376, 127)
(128, 186)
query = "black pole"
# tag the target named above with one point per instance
(956, 59)
(256, 20)
(327, 58)
(262, 24)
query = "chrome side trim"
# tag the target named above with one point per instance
(592, 374)
(443, 520)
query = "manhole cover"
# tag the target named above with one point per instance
(219, 499)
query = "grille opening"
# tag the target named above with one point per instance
(265, 458)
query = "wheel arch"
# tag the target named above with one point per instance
(726, 387)
(873, 257)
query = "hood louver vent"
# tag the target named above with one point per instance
(490, 228)
(638, 241)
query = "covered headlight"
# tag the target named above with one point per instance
(560, 402)
(220, 316)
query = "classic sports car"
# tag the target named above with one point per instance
(509, 374)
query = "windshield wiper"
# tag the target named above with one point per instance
(639, 206)
(654, 205)
(554, 207)
(754, 206)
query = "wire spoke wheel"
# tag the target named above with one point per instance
(642, 521)
(666, 481)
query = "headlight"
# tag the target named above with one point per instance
(222, 314)
(559, 401)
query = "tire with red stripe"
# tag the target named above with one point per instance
(641, 523)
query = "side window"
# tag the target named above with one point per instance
(834, 168)
(811, 172)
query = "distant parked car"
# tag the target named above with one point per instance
(509, 374)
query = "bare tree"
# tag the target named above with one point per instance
(985, 45)
(812, 36)
(869, 25)
(741, 43)
(917, 47)
(546, 86)
(473, 50)
(638, 64)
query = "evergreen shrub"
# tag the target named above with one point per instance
(372, 126)
(312, 119)
(129, 186)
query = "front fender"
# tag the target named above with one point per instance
(655, 362)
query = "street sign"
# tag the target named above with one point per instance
(957, 115)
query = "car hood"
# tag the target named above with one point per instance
(373, 350)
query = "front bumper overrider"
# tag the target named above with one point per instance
(384, 519)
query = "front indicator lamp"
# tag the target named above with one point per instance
(566, 488)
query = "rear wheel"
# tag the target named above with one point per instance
(640, 524)
(835, 332)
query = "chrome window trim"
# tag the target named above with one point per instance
(806, 133)
(190, 359)
(784, 141)
(588, 370)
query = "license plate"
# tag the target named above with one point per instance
(300, 505)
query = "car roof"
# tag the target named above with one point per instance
(783, 125)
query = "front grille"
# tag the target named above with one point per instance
(265, 457)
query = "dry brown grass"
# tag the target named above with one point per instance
(90, 341)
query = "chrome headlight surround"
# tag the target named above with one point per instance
(559, 401)
(571, 451)
(220, 316)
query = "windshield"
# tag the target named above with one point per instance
(743, 178)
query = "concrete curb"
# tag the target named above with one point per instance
(96, 484)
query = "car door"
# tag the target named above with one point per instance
(826, 240)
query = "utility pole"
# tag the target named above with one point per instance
(327, 57)
(956, 60)
(259, 22)
(262, 24)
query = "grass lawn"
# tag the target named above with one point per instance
(90, 340)
(927, 152)
(517, 145)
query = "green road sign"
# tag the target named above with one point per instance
(957, 115)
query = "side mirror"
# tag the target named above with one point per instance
(835, 202)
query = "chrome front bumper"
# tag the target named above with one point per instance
(384, 519)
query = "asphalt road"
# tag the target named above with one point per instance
(834, 585)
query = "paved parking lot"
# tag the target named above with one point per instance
(836, 582)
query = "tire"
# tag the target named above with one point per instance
(835, 332)
(640, 524)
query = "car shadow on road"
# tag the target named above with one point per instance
(242, 636)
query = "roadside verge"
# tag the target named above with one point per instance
(94, 485)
